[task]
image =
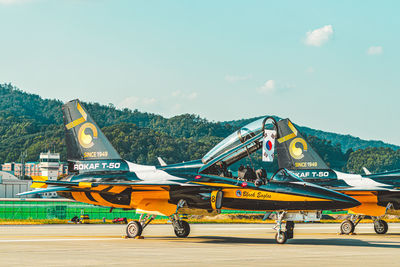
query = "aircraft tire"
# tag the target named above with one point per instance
(347, 227)
(134, 229)
(381, 227)
(281, 237)
(184, 231)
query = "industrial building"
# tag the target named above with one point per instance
(10, 185)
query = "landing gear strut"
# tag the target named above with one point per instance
(283, 235)
(135, 228)
(181, 227)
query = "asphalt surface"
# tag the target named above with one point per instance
(208, 244)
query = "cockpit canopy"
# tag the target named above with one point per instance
(238, 145)
(284, 175)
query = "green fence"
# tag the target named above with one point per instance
(23, 209)
(56, 209)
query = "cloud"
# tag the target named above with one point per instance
(148, 101)
(319, 36)
(192, 96)
(237, 78)
(268, 87)
(310, 70)
(170, 104)
(375, 50)
(176, 107)
(182, 95)
(273, 87)
(133, 102)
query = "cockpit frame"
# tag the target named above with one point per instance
(240, 144)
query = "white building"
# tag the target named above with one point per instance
(49, 165)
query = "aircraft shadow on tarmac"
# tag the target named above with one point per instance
(319, 242)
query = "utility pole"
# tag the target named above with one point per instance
(23, 156)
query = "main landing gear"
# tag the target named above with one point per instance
(381, 227)
(135, 228)
(348, 226)
(281, 235)
(181, 228)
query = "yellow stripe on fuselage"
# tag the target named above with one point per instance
(117, 189)
(265, 195)
(81, 197)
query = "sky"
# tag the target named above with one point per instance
(328, 65)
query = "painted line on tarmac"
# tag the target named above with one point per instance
(57, 239)
(296, 227)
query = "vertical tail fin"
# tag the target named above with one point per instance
(83, 137)
(293, 150)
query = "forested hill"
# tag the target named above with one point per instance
(346, 141)
(33, 124)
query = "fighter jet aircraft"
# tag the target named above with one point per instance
(378, 193)
(99, 176)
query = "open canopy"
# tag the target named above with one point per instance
(238, 145)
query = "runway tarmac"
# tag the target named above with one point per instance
(208, 244)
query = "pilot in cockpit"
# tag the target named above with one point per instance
(247, 173)
(223, 169)
(261, 177)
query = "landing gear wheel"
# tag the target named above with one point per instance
(182, 231)
(134, 229)
(381, 227)
(347, 227)
(281, 237)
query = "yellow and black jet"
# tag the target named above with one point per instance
(379, 194)
(99, 176)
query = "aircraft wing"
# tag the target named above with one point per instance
(44, 190)
(96, 184)
(54, 186)
(375, 188)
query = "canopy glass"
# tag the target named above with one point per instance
(244, 141)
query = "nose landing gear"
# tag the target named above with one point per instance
(283, 235)
(181, 227)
